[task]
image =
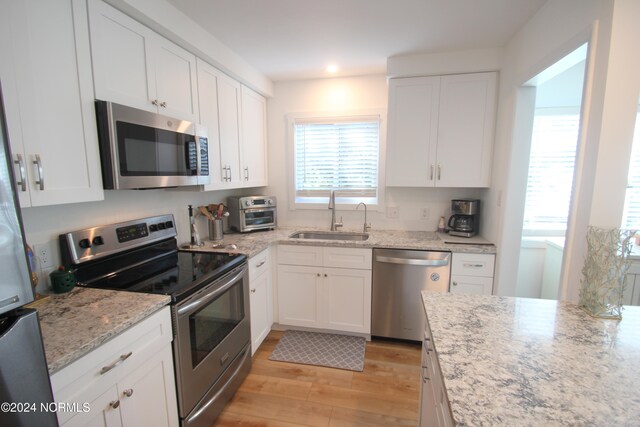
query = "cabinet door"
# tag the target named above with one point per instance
(261, 309)
(299, 295)
(208, 108)
(119, 48)
(147, 396)
(51, 101)
(347, 300)
(471, 285)
(413, 131)
(175, 79)
(466, 129)
(103, 411)
(254, 139)
(229, 120)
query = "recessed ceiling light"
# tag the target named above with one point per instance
(332, 68)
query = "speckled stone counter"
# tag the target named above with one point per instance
(527, 362)
(250, 244)
(76, 322)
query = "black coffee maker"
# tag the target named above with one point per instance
(466, 217)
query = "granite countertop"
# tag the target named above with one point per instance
(528, 362)
(76, 322)
(250, 244)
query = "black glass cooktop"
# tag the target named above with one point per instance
(177, 274)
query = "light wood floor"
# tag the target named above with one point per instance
(386, 393)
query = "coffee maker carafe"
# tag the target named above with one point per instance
(464, 220)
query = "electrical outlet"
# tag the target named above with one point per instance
(44, 256)
(393, 212)
(426, 213)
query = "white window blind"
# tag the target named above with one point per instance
(631, 217)
(338, 154)
(551, 165)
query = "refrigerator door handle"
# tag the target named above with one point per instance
(8, 301)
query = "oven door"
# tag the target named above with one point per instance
(212, 327)
(258, 219)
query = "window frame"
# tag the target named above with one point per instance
(315, 203)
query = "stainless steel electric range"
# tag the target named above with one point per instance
(209, 303)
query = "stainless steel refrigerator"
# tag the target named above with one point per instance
(25, 390)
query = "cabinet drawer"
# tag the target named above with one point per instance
(471, 285)
(259, 264)
(97, 371)
(300, 255)
(347, 258)
(463, 264)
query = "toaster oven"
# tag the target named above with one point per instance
(251, 213)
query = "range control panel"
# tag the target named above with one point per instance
(92, 243)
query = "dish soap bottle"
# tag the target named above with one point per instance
(441, 225)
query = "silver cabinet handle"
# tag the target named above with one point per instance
(229, 170)
(253, 291)
(23, 178)
(439, 171)
(163, 104)
(467, 265)
(114, 404)
(38, 163)
(409, 261)
(121, 359)
(431, 174)
(261, 264)
(246, 174)
(128, 392)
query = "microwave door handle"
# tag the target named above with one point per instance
(195, 305)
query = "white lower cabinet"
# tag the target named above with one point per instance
(128, 381)
(324, 288)
(434, 404)
(260, 298)
(472, 273)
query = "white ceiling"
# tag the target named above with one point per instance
(297, 39)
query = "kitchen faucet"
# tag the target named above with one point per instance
(366, 227)
(332, 205)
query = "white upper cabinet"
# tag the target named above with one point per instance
(441, 130)
(254, 139)
(136, 67)
(48, 95)
(236, 120)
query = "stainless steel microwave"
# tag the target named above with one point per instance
(139, 149)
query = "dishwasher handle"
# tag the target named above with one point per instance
(413, 261)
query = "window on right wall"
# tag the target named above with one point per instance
(631, 215)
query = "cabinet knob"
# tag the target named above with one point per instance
(114, 404)
(455, 283)
(154, 102)
(318, 274)
(163, 104)
(326, 275)
(253, 291)
(128, 392)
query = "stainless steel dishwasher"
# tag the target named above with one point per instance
(398, 278)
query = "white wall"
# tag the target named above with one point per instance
(331, 96)
(611, 94)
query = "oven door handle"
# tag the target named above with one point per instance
(219, 290)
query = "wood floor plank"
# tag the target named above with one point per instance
(349, 417)
(285, 394)
(277, 408)
(391, 405)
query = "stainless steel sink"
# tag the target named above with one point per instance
(330, 235)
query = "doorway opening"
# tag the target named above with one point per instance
(550, 178)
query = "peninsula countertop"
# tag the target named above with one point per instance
(76, 322)
(250, 244)
(529, 362)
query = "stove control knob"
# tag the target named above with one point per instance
(161, 226)
(169, 224)
(153, 227)
(269, 201)
(247, 202)
(84, 243)
(98, 240)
